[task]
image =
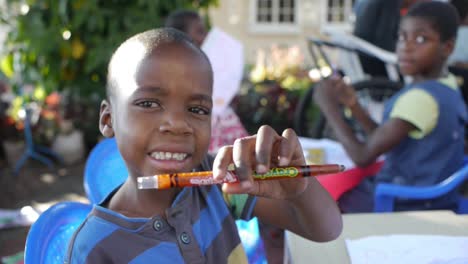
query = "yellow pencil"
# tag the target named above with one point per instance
(165, 181)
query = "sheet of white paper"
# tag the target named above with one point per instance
(18, 217)
(226, 55)
(408, 249)
(334, 151)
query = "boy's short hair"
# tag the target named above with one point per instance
(180, 19)
(443, 17)
(150, 40)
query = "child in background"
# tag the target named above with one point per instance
(158, 108)
(190, 23)
(226, 125)
(423, 127)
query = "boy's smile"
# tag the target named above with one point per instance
(162, 123)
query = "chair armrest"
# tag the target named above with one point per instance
(386, 193)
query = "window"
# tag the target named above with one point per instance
(274, 16)
(339, 13)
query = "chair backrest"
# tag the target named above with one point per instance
(105, 170)
(48, 239)
(349, 47)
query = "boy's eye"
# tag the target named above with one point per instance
(148, 104)
(199, 110)
(420, 39)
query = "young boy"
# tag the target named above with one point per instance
(423, 127)
(158, 109)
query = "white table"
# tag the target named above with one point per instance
(300, 250)
(333, 150)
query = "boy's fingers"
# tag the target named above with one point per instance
(335, 77)
(241, 187)
(242, 157)
(336, 80)
(221, 162)
(286, 147)
(266, 138)
(291, 148)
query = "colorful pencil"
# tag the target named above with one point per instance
(185, 179)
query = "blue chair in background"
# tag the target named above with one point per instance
(249, 233)
(105, 170)
(48, 239)
(385, 194)
(37, 152)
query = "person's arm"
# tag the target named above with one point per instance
(300, 205)
(328, 96)
(363, 118)
(346, 96)
(312, 214)
(380, 141)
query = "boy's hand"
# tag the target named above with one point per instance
(261, 152)
(335, 91)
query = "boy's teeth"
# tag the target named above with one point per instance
(168, 155)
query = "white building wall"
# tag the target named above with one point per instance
(233, 16)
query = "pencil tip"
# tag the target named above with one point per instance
(342, 167)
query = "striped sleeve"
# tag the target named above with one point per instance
(85, 242)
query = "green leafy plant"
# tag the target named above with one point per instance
(274, 87)
(65, 45)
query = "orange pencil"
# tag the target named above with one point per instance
(165, 181)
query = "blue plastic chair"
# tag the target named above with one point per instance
(105, 170)
(48, 239)
(33, 150)
(385, 194)
(249, 233)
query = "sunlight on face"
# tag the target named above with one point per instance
(124, 65)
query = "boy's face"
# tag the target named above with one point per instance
(161, 119)
(420, 50)
(196, 30)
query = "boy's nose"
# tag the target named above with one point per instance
(406, 45)
(175, 123)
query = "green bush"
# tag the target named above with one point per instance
(65, 45)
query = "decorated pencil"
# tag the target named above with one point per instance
(165, 181)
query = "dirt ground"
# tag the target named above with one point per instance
(38, 186)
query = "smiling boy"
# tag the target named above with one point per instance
(158, 108)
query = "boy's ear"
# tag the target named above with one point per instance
(105, 119)
(449, 45)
